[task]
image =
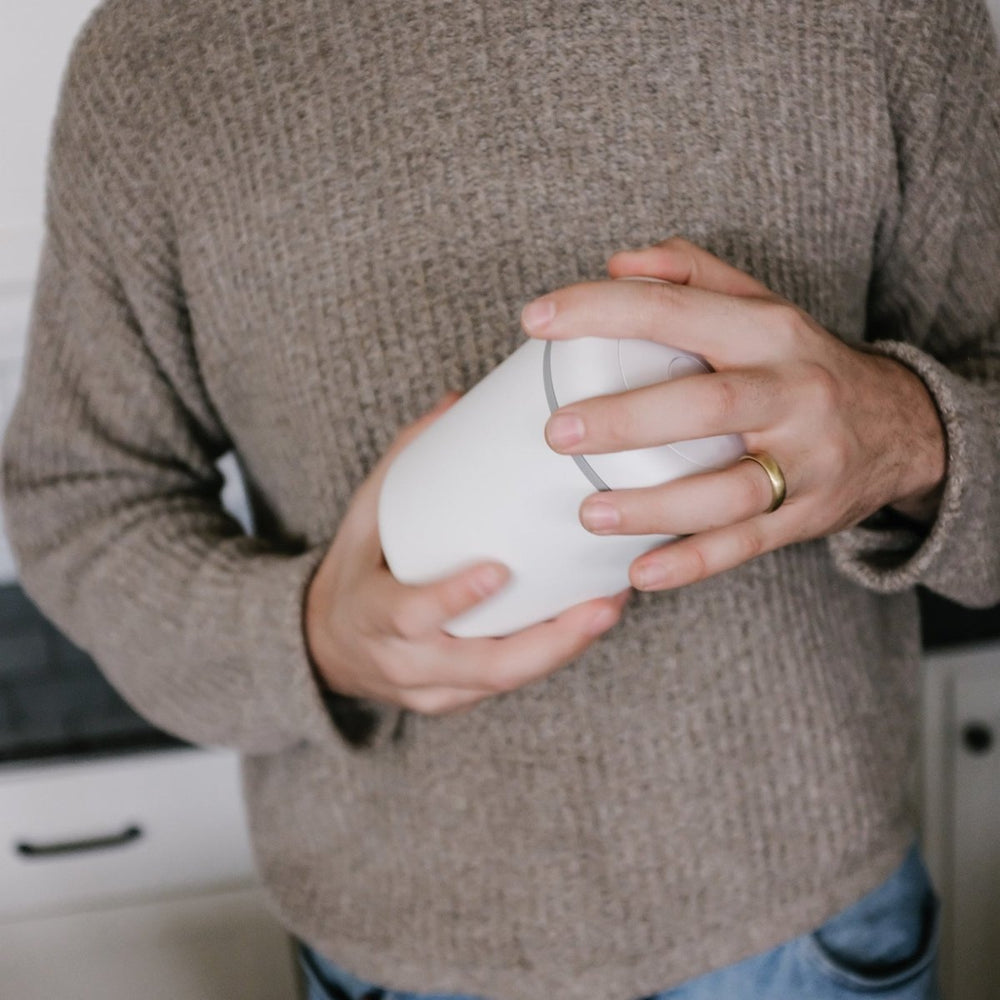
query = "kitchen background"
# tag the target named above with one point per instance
(124, 865)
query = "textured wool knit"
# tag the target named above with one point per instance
(286, 227)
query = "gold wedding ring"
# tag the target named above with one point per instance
(774, 474)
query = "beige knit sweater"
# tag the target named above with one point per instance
(287, 226)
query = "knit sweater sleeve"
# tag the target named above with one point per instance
(111, 493)
(934, 301)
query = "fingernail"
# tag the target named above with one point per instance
(649, 576)
(599, 516)
(564, 430)
(537, 314)
(487, 579)
(602, 620)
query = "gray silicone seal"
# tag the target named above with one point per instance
(550, 394)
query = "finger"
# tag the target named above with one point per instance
(430, 699)
(685, 506)
(440, 700)
(708, 553)
(489, 666)
(360, 521)
(730, 332)
(535, 652)
(416, 611)
(684, 263)
(694, 406)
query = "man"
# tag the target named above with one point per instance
(288, 227)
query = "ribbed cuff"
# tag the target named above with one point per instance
(888, 553)
(302, 704)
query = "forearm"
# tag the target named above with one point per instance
(955, 553)
(918, 443)
(199, 627)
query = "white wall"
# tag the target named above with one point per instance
(35, 38)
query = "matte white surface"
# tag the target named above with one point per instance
(482, 483)
(593, 366)
(961, 815)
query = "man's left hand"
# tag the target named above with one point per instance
(852, 431)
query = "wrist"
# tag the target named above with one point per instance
(921, 446)
(316, 628)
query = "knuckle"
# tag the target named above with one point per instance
(467, 591)
(836, 455)
(654, 298)
(751, 544)
(676, 243)
(786, 324)
(619, 424)
(455, 596)
(820, 386)
(499, 681)
(454, 600)
(460, 704)
(403, 619)
(725, 399)
(699, 564)
(689, 566)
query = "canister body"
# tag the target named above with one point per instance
(482, 483)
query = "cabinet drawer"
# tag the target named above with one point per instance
(119, 829)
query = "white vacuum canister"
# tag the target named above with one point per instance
(481, 483)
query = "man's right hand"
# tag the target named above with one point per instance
(372, 637)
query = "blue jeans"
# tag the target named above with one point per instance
(884, 945)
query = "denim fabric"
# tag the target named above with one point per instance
(884, 945)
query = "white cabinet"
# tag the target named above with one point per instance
(961, 821)
(216, 946)
(132, 877)
(119, 829)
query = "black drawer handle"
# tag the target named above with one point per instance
(977, 737)
(127, 836)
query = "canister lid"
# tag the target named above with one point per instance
(598, 366)
(644, 362)
(585, 367)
